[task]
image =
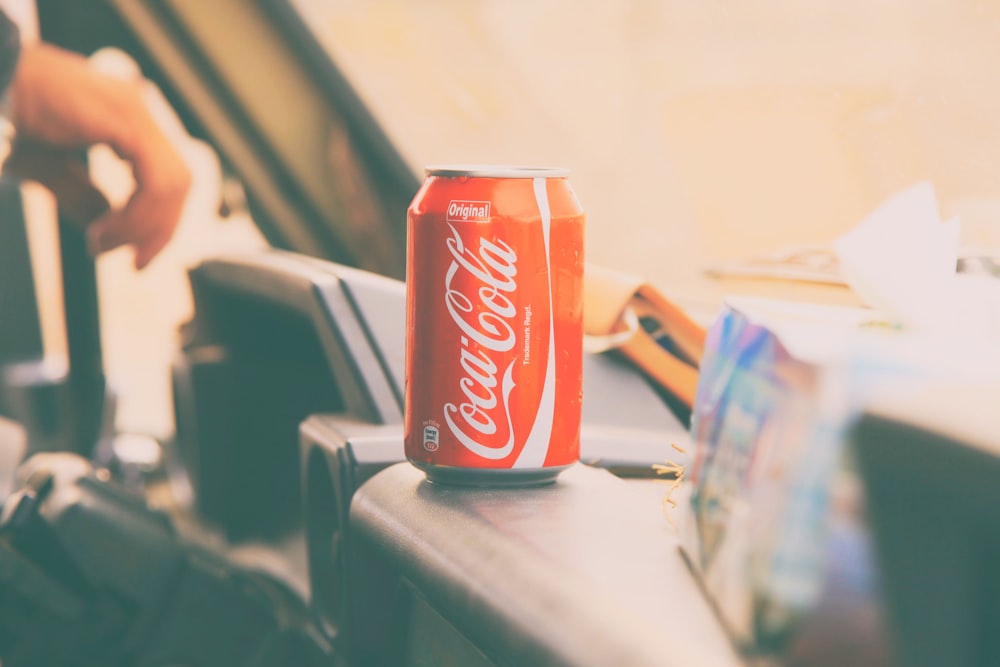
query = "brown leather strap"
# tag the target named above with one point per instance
(613, 304)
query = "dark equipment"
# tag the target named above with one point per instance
(63, 408)
(930, 460)
(277, 337)
(91, 576)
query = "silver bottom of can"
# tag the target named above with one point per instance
(489, 477)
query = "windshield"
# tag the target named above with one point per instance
(695, 131)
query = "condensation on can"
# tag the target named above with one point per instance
(494, 325)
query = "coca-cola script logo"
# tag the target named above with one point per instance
(487, 333)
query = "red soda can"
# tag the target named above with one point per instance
(494, 329)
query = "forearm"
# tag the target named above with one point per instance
(58, 99)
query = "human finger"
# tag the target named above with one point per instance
(153, 211)
(146, 251)
(162, 185)
(139, 224)
(108, 233)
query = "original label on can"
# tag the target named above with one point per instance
(468, 211)
(494, 326)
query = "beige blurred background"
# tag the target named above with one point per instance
(696, 131)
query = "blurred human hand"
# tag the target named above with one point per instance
(58, 99)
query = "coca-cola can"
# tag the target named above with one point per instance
(494, 331)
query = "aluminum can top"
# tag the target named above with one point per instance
(494, 171)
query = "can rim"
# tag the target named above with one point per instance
(495, 171)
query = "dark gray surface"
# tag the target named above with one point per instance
(381, 305)
(315, 290)
(21, 333)
(582, 572)
(276, 337)
(61, 408)
(930, 459)
(624, 420)
(338, 455)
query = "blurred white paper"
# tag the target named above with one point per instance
(901, 259)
